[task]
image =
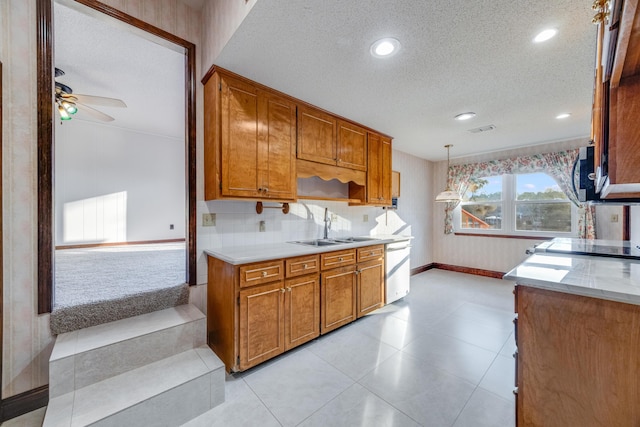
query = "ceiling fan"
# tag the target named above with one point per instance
(68, 102)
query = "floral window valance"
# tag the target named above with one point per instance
(558, 165)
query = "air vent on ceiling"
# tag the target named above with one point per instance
(482, 129)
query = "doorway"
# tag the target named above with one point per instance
(70, 221)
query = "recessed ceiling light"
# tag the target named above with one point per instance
(545, 35)
(465, 116)
(384, 48)
(563, 116)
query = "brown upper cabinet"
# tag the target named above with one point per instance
(615, 128)
(258, 141)
(379, 170)
(323, 138)
(250, 140)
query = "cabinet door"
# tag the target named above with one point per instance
(316, 136)
(338, 298)
(239, 139)
(277, 136)
(302, 310)
(370, 286)
(352, 146)
(379, 170)
(261, 323)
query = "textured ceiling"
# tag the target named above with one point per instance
(104, 59)
(456, 56)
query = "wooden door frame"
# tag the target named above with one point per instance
(44, 11)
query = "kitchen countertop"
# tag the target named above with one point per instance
(607, 248)
(609, 278)
(255, 253)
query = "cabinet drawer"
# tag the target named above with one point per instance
(370, 252)
(302, 265)
(338, 258)
(264, 272)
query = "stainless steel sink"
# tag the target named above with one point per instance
(319, 242)
(355, 239)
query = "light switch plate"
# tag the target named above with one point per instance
(365, 218)
(208, 220)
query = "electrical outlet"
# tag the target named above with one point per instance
(263, 226)
(365, 218)
(614, 217)
(170, 226)
(208, 220)
(334, 217)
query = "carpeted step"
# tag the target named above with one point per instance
(168, 392)
(81, 358)
(71, 318)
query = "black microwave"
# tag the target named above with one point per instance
(591, 179)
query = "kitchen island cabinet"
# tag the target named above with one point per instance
(577, 334)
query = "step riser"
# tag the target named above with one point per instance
(85, 368)
(173, 407)
(74, 372)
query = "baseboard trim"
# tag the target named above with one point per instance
(98, 245)
(469, 270)
(422, 269)
(22, 403)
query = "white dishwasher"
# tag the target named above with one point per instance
(398, 271)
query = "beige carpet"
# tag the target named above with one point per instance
(99, 285)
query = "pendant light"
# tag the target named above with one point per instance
(448, 195)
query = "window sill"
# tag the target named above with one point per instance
(505, 236)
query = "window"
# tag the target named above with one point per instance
(524, 204)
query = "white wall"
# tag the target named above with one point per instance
(93, 161)
(634, 225)
(487, 253)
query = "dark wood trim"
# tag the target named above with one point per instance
(469, 270)
(422, 269)
(46, 141)
(506, 236)
(22, 403)
(190, 119)
(44, 12)
(626, 222)
(100, 245)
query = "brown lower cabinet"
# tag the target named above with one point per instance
(578, 360)
(257, 311)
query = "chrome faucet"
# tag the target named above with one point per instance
(327, 223)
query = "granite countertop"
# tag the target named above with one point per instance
(255, 253)
(615, 279)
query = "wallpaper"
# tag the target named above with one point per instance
(27, 341)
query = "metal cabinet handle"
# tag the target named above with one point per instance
(340, 259)
(282, 290)
(289, 289)
(266, 190)
(264, 274)
(304, 266)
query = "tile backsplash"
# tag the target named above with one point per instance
(238, 224)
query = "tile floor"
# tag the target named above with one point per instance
(442, 356)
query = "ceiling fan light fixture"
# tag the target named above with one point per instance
(385, 48)
(563, 116)
(70, 107)
(448, 195)
(63, 113)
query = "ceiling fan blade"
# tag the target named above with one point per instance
(100, 100)
(95, 113)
